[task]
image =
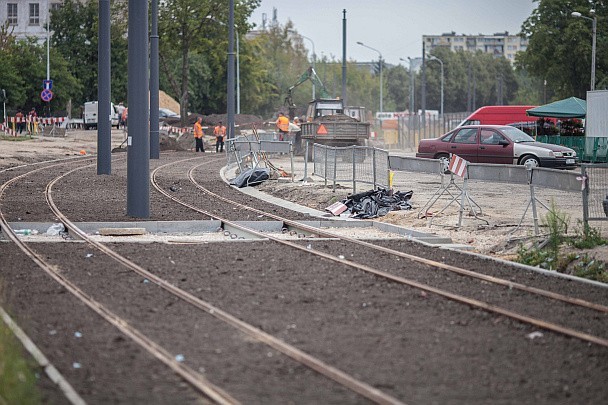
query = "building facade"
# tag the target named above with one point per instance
(27, 18)
(498, 45)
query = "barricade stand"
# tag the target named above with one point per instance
(459, 166)
(443, 189)
(531, 201)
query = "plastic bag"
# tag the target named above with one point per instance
(55, 229)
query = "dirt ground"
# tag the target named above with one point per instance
(411, 344)
(494, 231)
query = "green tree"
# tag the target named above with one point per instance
(194, 43)
(559, 48)
(75, 37)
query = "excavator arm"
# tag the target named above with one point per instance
(311, 75)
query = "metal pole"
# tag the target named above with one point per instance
(238, 74)
(48, 42)
(423, 90)
(343, 57)
(104, 124)
(138, 143)
(230, 92)
(380, 61)
(593, 54)
(154, 85)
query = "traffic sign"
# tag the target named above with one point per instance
(46, 95)
(47, 84)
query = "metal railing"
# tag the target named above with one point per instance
(412, 128)
(588, 149)
(356, 164)
(595, 192)
(252, 153)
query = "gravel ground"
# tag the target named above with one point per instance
(415, 346)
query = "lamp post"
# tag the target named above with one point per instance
(380, 60)
(314, 58)
(413, 62)
(594, 31)
(431, 57)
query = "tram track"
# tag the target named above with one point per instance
(300, 245)
(509, 284)
(194, 378)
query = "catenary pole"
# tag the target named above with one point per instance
(138, 142)
(104, 123)
(344, 101)
(154, 84)
(230, 90)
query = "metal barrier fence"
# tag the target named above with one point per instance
(251, 153)
(412, 128)
(535, 177)
(588, 149)
(359, 164)
(595, 193)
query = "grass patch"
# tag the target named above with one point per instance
(17, 378)
(549, 256)
(15, 138)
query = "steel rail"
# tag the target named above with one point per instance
(422, 260)
(300, 356)
(455, 297)
(195, 379)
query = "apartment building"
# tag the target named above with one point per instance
(500, 44)
(27, 18)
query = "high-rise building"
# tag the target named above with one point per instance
(500, 44)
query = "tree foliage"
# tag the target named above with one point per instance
(75, 37)
(559, 49)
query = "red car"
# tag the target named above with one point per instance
(500, 144)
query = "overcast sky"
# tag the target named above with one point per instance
(393, 27)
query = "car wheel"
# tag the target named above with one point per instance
(445, 161)
(529, 160)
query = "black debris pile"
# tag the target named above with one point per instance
(377, 203)
(251, 177)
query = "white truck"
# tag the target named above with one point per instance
(89, 115)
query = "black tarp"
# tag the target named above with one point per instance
(377, 203)
(251, 177)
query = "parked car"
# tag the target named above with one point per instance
(499, 144)
(167, 113)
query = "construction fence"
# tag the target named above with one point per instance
(356, 164)
(407, 131)
(591, 182)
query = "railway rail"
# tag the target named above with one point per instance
(303, 245)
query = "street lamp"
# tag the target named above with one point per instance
(413, 62)
(594, 30)
(431, 57)
(380, 60)
(314, 58)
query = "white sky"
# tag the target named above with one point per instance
(393, 27)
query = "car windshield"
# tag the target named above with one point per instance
(516, 135)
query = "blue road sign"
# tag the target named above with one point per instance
(47, 84)
(46, 95)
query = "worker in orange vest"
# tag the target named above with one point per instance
(220, 133)
(282, 125)
(198, 135)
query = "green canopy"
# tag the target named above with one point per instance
(568, 108)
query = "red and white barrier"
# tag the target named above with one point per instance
(457, 165)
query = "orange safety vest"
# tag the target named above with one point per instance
(283, 124)
(219, 131)
(198, 130)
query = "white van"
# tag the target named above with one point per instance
(89, 115)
